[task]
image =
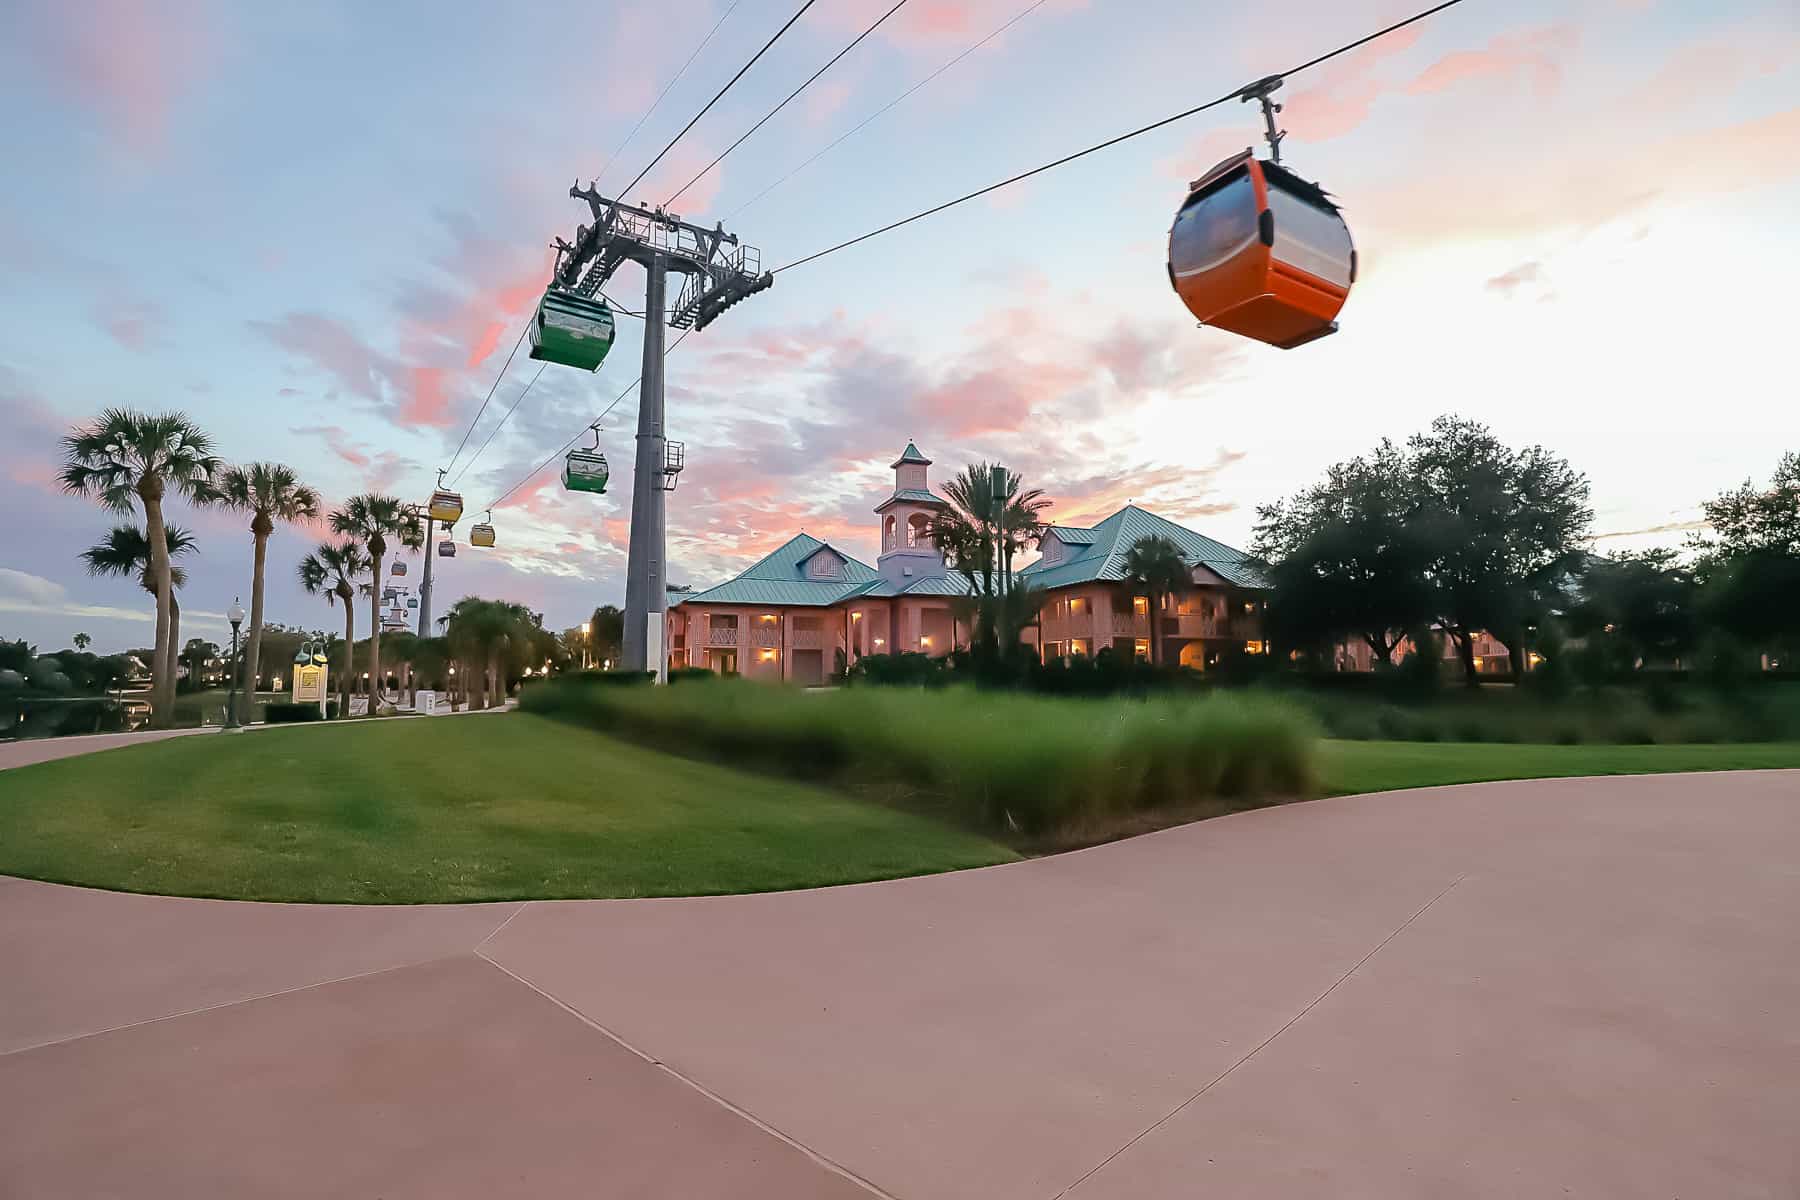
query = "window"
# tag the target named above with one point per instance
(1310, 237)
(723, 620)
(1216, 224)
(1080, 606)
(1140, 649)
(887, 534)
(918, 530)
(1140, 606)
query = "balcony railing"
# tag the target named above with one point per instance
(1125, 624)
(806, 639)
(722, 635)
(765, 636)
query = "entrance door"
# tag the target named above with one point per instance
(722, 661)
(808, 666)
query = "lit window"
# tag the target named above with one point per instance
(1140, 605)
(1141, 649)
(1255, 648)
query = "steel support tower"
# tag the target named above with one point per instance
(718, 273)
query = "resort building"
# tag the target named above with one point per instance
(791, 615)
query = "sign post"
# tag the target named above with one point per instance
(310, 672)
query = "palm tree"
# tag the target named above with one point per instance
(126, 551)
(981, 548)
(331, 571)
(373, 519)
(1156, 564)
(270, 492)
(82, 641)
(126, 458)
(493, 634)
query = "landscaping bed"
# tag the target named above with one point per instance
(1043, 767)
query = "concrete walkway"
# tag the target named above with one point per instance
(1582, 987)
(26, 751)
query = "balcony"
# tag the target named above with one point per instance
(1126, 624)
(806, 639)
(726, 635)
(765, 637)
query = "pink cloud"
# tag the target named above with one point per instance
(1535, 54)
(427, 399)
(131, 325)
(130, 63)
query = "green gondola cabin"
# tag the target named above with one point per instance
(572, 330)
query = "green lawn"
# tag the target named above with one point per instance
(1349, 767)
(451, 808)
(496, 807)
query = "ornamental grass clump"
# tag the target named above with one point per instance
(1031, 765)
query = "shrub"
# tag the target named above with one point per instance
(1026, 764)
(287, 714)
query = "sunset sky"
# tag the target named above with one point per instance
(318, 228)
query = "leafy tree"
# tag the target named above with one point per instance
(1344, 558)
(1750, 564)
(126, 552)
(1637, 608)
(124, 459)
(1753, 520)
(372, 519)
(195, 655)
(332, 571)
(269, 492)
(83, 641)
(1753, 596)
(981, 548)
(1506, 528)
(1156, 564)
(606, 633)
(17, 656)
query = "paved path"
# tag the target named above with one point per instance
(36, 750)
(1510, 990)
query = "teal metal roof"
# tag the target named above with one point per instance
(1099, 553)
(911, 455)
(953, 584)
(914, 495)
(780, 578)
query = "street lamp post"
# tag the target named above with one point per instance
(587, 628)
(236, 617)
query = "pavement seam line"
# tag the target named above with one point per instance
(223, 1004)
(519, 908)
(822, 1160)
(1258, 1048)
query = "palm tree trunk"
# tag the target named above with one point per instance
(253, 648)
(162, 668)
(375, 637)
(174, 619)
(349, 657)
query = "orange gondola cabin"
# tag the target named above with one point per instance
(1258, 251)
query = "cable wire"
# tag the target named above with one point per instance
(496, 429)
(1113, 141)
(564, 448)
(626, 190)
(667, 87)
(868, 120)
(699, 175)
(490, 395)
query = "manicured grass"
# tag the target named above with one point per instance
(1350, 767)
(440, 809)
